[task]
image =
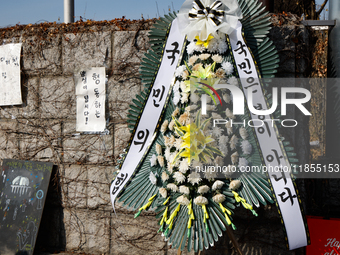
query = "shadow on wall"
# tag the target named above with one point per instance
(51, 235)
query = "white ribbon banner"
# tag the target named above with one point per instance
(271, 147)
(146, 128)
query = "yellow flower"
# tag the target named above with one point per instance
(204, 72)
(195, 145)
(205, 43)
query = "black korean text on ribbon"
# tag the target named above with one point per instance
(174, 51)
(283, 177)
(119, 181)
(241, 47)
(289, 196)
(261, 129)
(271, 158)
(142, 136)
(158, 94)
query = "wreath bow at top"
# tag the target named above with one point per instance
(205, 17)
(213, 12)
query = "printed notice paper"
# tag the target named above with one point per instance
(90, 91)
(10, 88)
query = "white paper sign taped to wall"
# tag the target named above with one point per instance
(10, 85)
(90, 91)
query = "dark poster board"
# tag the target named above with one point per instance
(23, 188)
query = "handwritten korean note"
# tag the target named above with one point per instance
(10, 88)
(90, 91)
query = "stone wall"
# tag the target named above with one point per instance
(78, 216)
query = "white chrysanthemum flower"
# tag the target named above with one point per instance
(223, 140)
(229, 114)
(242, 162)
(197, 67)
(209, 174)
(158, 149)
(224, 148)
(164, 126)
(173, 187)
(209, 160)
(230, 131)
(222, 46)
(220, 73)
(233, 81)
(176, 98)
(179, 71)
(246, 147)
(178, 143)
(217, 185)
(204, 56)
(229, 171)
(233, 142)
(163, 192)
(167, 141)
(172, 140)
(203, 189)
(176, 164)
(213, 45)
(170, 167)
(200, 200)
(243, 133)
(196, 163)
(185, 75)
(193, 47)
(194, 178)
(215, 115)
(217, 58)
(171, 125)
(153, 160)
(219, 161)
(160, 160)
(183, 118)
(219, 198)
(234, 158)
(179, 177)
(176, 86)
(192, 60)
(227, 98)
(184, 190)
(234, 184)
(194, 98)
(183, 166)
(153, 178)
(175, 112)
(182, 200)
(165, 176)
(185, 97)
(183, 86)
(211, 107)
(172, 156)
(188, 109)
(217, 132)
(228, 67)
(167, 153)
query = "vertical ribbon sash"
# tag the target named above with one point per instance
(272, 149)
(146, 128)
